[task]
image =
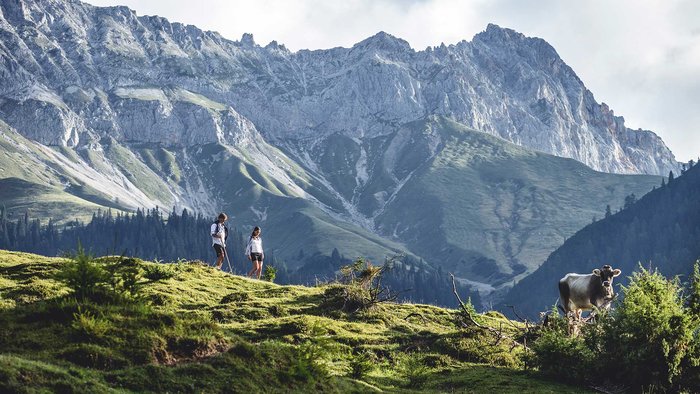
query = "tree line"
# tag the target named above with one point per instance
(146, 234)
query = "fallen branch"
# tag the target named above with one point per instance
(415, 314)
(498, 334)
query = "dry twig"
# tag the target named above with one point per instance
(498, 334)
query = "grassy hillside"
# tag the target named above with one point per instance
(191, 328)
(45, 202)
(30, 183)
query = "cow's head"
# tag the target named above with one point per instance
(606, 275)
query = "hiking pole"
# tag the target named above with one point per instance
(228, 261)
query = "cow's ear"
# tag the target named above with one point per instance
(596, 272)
(616, 273)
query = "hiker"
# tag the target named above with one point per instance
(219, 234)
(255, 254)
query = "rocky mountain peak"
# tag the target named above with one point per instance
(498, 34)
(247, 40)
(384, 42)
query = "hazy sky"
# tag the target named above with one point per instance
(641, 57)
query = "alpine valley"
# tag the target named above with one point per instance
(480, 157)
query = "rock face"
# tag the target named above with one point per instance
(71, 72)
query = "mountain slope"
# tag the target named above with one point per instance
(252, 181)
(661, 230)
(479, 206)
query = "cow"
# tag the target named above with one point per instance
(579, 292)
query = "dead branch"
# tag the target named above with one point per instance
(498, 334)
(414, 314)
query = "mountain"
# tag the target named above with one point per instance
(661, 230)
(371, 149)
(94, 71)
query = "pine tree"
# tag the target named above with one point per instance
(694, 297)
(608, 212)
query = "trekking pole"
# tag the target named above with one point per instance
(228, 261)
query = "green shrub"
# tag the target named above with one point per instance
(82, 275)
(308, 365)
(125, 278)
(648, 342)
(558, 355)
(694, 290)
(413, 369)
(361, 364)
(89, 326)
(270, 273)
(156, 272)
(651, 333)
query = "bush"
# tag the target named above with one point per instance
(125, 278)
(89, 326)
(413, 369)
(361, 364)
(652, 331)
(156, 272)
(307, 365)
(560, 356)
(104, 280)
(270, 273)
(82, 275)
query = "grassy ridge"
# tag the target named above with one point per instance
(205, 331)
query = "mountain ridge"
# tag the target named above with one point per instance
(135, 39)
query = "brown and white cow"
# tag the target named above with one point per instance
(579, 292)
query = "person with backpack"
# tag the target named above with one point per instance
(254, 251)
(219, 234)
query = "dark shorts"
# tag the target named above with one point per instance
(256, 257)
(219, 250)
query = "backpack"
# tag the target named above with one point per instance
(225, 230)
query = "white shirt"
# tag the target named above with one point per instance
(221, 231)
(254, 246)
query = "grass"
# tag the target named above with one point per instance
(206, 331)
(45, 202)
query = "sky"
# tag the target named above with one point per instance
(641, 57)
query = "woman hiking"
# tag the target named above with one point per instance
(255, 253)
